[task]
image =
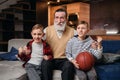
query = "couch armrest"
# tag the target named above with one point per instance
(16, 43)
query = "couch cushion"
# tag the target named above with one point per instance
(16, 43)
(109, 71)
(108, 58)
(111, 46)
(12, 70)
(57, 75)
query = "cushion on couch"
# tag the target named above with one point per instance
(12, 70)
(108, 71)
(11, 56)
(111, 46)
(108, 58)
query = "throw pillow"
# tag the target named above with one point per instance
(11, 56)
(108, 58)
(111, 58)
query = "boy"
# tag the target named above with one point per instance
(34, 52)
(80, 43)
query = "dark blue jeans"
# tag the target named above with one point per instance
(64, 65)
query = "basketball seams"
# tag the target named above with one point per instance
(85, 60)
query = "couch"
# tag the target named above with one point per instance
(110, 69)
(13, 70)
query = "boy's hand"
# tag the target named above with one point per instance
(99, 39)
(97, 44)
(94, 45)
(46, 57)
(75, 63)
(23, 50)
(26, 50)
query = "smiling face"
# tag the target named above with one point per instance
(60, 19)
(37, 34)
(82, 30)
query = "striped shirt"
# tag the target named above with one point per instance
(75, 46)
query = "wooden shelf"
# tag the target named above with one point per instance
(16, 21)
(109, 36)
(3, 42)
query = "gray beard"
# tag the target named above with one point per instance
(59, 28)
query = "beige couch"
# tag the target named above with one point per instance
(13, 70)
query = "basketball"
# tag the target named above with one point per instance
(85, 61)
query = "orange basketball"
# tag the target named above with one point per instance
(85, 61)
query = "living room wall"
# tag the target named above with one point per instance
(105, 14)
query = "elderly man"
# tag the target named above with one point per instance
(57, 37)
